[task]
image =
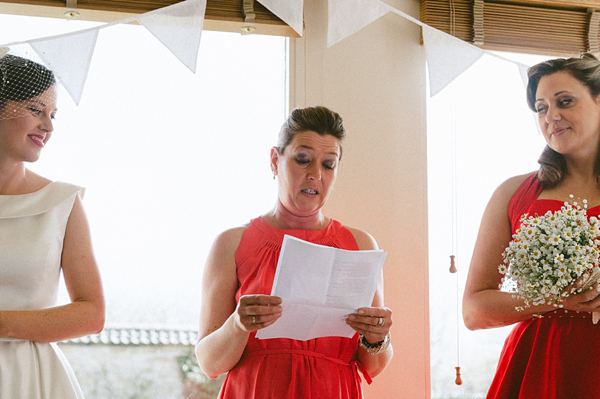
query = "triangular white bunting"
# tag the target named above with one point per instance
(523, 72)
(69, 57)
(290, 12)
(179, 28)
(447, 57)
(349, 16)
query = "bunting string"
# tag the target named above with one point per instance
(179, 28)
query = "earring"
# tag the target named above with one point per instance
(273, 176)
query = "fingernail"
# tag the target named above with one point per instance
(352, 317)
(361, 312)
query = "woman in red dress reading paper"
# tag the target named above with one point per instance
(240, 270)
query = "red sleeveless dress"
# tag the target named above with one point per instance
(321, 368)
(556, 356)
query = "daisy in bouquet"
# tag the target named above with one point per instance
(552, 256)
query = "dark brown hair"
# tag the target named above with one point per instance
(318, 119)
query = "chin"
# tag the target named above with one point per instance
(32, 159)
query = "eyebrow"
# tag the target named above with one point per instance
(558, 93)
(336, 153)
(40, 102)
(43, 104)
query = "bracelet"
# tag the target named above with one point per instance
(377, 347)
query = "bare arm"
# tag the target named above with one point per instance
(365, 322)
(85, 314)
(484, 305)
(224, 325)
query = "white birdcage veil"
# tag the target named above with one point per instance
(22, 81)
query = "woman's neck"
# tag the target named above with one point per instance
(16, 179)
(12, 176)
(581, 170)
(281, 218)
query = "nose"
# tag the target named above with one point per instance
(314, 173)
(46, 124)
(553, 115)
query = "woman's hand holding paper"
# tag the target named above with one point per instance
(257, 311)
(373, 323)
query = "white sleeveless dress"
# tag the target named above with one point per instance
(32, 230)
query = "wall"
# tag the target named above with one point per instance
(376, 80)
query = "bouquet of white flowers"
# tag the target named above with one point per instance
(552, 256)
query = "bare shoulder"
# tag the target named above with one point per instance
(364, 240)
(35, 178)
(510, 185)
(498, 203)
(228, 240)
(34, 181)
(220, 265)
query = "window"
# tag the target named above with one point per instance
(483, 115)
(169, 159)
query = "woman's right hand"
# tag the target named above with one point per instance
(225, 323)
(254, 312)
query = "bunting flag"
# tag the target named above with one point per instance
(69, 57)
(447, 57)
(179, 28)
(289, 11)
(346, 17)
(523, 72)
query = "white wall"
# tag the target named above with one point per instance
(375, 79)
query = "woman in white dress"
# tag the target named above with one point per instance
(43, 230)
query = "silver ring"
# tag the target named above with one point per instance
(253, 319)
(380, 322)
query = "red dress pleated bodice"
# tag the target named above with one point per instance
(324, 368)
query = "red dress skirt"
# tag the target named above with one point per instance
(325, 368)
(556, 356)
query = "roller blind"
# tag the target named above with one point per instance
(537, 27)
(226, 11)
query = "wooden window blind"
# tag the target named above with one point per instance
(538, 27)
(225, 15)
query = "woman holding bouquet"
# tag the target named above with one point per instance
(552, 352)
(240, 270)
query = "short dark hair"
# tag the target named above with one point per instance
(317, 119)
(22, 79)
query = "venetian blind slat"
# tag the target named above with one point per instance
(226, 10)
(514, 27)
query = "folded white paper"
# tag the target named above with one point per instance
(320, 286)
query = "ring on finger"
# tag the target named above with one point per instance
(380, 322)
(253, 319)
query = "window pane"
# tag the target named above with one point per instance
(169, 159)
(495, 138)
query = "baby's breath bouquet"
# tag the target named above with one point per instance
(552, 256)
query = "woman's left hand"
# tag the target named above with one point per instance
(373, 323)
